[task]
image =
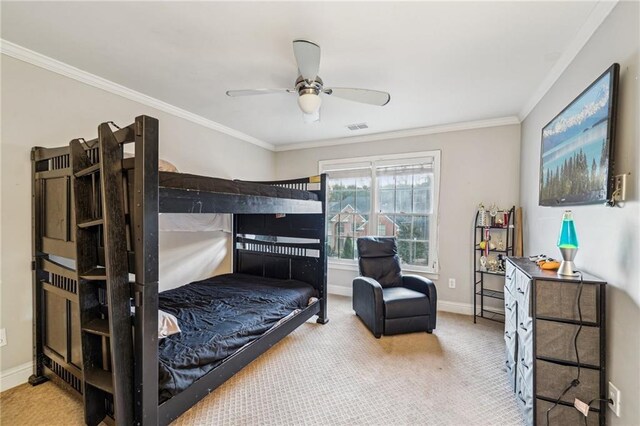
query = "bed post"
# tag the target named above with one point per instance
(322, 278)
(36, 270)
(145, 210)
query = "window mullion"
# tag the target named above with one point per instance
(373, 216)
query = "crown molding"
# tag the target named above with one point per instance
(597, 16)
(34, 58)
(444, 128)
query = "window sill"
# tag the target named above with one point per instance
(343, 266)
(352, 266)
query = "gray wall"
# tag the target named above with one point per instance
(609, 237)
(479, 165)
(43, 108)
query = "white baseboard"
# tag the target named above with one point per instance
(443, 305)
(15, 376)
(455, 307)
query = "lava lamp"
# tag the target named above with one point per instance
(568, 244)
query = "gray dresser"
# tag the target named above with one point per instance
(541, 321)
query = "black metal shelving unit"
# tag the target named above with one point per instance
(483, 278)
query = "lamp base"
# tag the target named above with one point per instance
(566, 269)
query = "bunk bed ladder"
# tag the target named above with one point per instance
(103, 289)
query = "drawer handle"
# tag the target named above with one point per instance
(508, 308)
(523, 327)
(523, 363)
(506, 333)
(521, 398)
(519, 290)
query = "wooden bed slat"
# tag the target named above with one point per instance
(174, 200)
(59, 248)
(56, 173)
(100, 379)
(87, 171)
(60, 292)
(91, 223)
(97, 326)
(56, 268)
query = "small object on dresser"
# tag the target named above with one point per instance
(492, 264)
(493, 212)
(483, 263)
(549, 265)
(568, 245)
(482, 216)
(537, 257)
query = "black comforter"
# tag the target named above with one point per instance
(217, 317)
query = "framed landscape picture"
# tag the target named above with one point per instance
(576, 156)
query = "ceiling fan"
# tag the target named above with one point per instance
(309, 85)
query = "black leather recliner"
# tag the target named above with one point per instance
(384, 299)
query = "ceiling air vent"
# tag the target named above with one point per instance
(358, 126)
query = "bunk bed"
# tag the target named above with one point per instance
(95, 225)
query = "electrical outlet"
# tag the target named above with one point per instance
(452, 283)
(3, 336)
(620, 187)
(614, 395)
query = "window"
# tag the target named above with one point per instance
(395, 195)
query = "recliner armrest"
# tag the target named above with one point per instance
(424, 286)
(368, 303)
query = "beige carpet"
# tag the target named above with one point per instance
(338, 374)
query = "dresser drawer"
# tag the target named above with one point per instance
(555, 340)
(510, 315)
(563, 415)
(523, 296)
(552, 379)
(558, 300)
(510, 368)
(524, 393)
(525, 327)
(510, 278)
(510, 339)
(525, 350)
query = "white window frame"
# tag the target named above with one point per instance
(399, 159)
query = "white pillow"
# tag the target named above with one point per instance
(163, 165)
(167, 324)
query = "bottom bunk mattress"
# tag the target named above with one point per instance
(218, 316)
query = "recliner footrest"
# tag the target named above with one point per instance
(406, 325)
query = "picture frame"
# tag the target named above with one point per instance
(576, 154)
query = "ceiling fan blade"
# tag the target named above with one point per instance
(250, 92)
(307, 55)
(366, 96)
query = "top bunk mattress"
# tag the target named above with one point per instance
(218, 316)
(191, 182)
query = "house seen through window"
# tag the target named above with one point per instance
(384, 196)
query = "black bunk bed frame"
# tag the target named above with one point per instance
(57, 287)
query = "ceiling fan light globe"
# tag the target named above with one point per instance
(309, 103)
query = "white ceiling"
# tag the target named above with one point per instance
(442, 62)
